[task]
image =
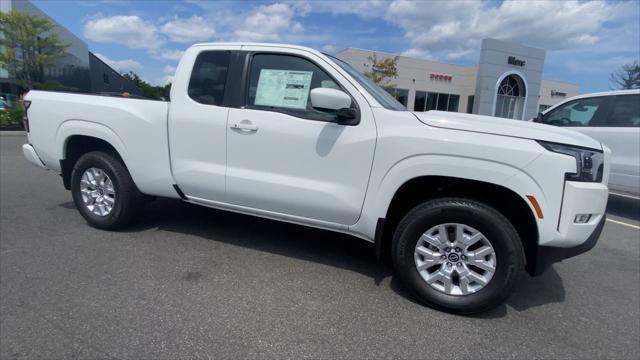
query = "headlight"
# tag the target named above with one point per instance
(589, 162)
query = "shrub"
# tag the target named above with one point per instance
(11, 119)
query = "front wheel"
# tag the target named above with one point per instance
(458, 255)
(103, 191)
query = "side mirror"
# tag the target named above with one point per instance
(336, 100)
(348, 116)
(538, 118)
(330, 99)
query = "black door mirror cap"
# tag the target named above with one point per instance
(348, 116)
(538, 118)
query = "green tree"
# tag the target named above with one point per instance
(166, 91)
(27, 45)
(627, 77)
(148, 90)
(382, 71)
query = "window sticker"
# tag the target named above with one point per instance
(283, 88)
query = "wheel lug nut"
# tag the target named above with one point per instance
(443, 256)
(459, 264)
(449, 264)
(463, 257)
(458, 249)
(447, 249)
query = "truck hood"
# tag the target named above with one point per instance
(506, 127)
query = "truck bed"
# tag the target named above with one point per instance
(136, 128)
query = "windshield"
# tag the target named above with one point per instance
(384, 98)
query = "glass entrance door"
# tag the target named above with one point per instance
(509, 107)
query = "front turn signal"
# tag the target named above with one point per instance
(536, 206)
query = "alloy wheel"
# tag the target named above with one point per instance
(455, 259)
(98, 193)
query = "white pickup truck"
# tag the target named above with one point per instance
(460, 203)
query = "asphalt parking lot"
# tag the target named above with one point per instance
(195, 282)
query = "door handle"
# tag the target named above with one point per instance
(245, 125)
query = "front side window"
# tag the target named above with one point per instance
(579, 112)
(384, 98)
(625, 112)
(209, 77)
(284, 83)
(401, 95)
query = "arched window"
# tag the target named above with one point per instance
(510, 97)
(512, 86)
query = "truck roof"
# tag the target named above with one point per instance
(290, 46)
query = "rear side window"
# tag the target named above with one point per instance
(625, 112)
(579, 112)
(209, 76)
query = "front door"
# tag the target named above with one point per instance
(284, 156)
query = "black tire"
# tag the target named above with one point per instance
(128, 200)
(504, 239)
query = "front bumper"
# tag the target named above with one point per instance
(31, 156)
(570, 237)
(547, 255)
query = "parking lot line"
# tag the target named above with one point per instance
(624, 223)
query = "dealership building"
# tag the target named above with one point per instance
(506, 83)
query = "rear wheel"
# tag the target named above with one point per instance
(104, 192)
(457, 254)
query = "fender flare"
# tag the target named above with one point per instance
(69, 128)
(492, 172)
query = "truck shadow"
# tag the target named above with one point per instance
(320, 246)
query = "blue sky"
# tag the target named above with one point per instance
(585, 40)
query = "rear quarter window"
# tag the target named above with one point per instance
(209, 77)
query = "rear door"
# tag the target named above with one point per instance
(198, 121)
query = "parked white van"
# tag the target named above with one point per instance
(612, 118)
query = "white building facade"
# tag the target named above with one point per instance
(506, 83)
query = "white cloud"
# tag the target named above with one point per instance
(268, 23)
(188, 30)
(454, 29)
(168, 69)
(168, 72)
(131, 31)
(418, 53)
(364, 8)
(173, 55)
(329, 48)
(121, 66)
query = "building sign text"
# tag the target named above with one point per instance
(512, 60)
(441, 77)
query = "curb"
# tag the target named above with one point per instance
(12, 133)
